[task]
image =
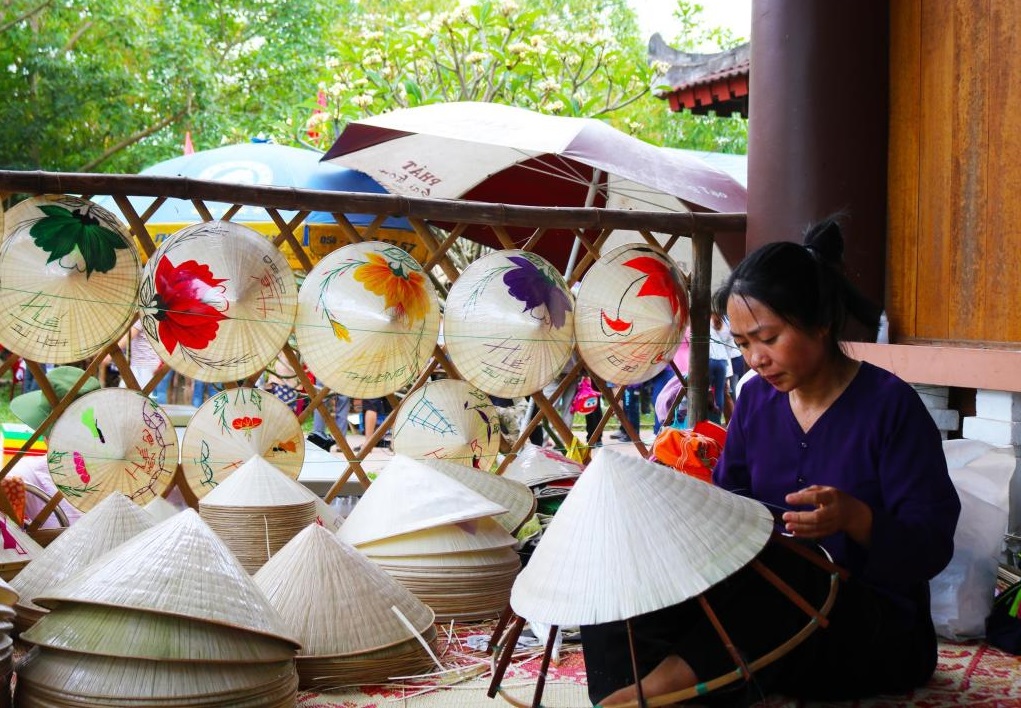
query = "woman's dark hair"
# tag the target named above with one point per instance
(804, 285)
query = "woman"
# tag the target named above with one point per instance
(851, 460)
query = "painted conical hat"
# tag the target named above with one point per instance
(112, 440)
(514, 496)
(234, 426)
(448, 419)
(110, 523)
(117, 631)
(69, 275)
(464, 537)
(632, 537)
(335, 599)
(535, 465)
(218, 301)
(632, 309)
(368, 319)
(508, 323)
(160, 509)
(258, 483)
(411, 496)
(178, 567)
(18, 547)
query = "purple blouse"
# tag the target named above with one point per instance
(876, 442)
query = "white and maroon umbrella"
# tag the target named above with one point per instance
(502, 154)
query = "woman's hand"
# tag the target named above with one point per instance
(834, 511)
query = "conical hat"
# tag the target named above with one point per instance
(411, 496)
(69, 276)
(107, 525)
(514, 496)
(8, 595)
(258, 483)
(160, 509)
(327, 516)
(632, 309)
(368, 319)
(633, 537)
(117, 631)
(464, 537)
(179, 567)
(449, 419)
(335, 599)
(218, 301)
(536, 465)
(112, 440)
(232, 427)
(18, 547)
(508, 323)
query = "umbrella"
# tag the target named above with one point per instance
(502, 154)
(271, 165)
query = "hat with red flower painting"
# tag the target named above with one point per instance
(218, 301)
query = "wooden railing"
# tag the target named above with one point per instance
(591, 227)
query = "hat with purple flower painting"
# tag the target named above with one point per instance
(509, 323)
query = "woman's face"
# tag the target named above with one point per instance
(787, 357)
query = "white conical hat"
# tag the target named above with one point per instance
(335, 599)
(516, 497)
(410, 496)
(17, 548)
(368, 319)
(107, 525)
(117, 631)
(632, 309)
(230, 428)
(465, 537)
(535, 465)
(508, 323)
(112, 440)
(69, 272)
(178, 567)
(218, 301)
(449, 419)
(633, 537)
(160, 509)
(258, 483)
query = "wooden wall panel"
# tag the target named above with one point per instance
(902, 192)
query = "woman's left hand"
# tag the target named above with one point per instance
(833, 511)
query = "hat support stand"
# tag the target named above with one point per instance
(501, 644)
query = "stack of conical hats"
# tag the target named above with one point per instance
(17, 550)
(168, 618)
(535, 466)
(8, 597)
(356, 624)
(514, 496)
(438, 538)
(107, 525)
(256, 510)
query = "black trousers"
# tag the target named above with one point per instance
(870, 647)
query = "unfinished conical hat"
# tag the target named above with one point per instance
(112, 440)
(69, 275)
(234, 426)
(632, 537)
(463, 537)
(218, 301)
(508, 324)
(107, 525)
(160, 509)
(18, 547)
(335, 599)
(632, 309)
(411, 496)
(536, 465)
(85, 680)
(368, 319)
(448, 419)
(258, 483)
(514, 496)
(178, 567)
(116, 631)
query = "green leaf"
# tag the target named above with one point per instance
(98, 247)
(57, 233)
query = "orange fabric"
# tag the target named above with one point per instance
(693, 452)
(14, 488)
